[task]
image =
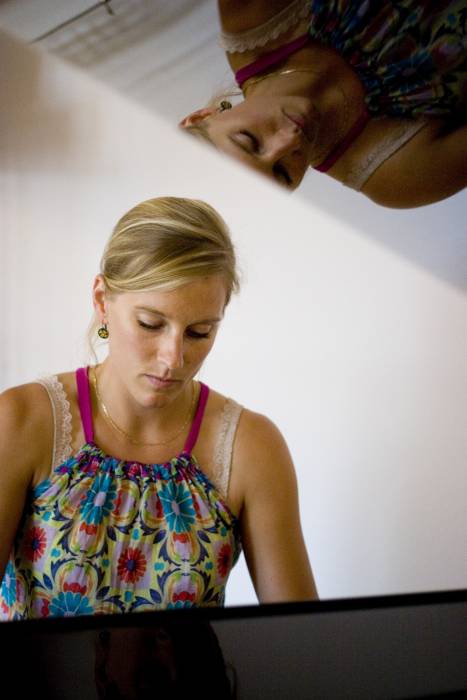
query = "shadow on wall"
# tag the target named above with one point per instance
(433, 237)
(37, 115)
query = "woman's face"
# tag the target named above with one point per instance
(135, 663)
(158, 340)
(274, 135)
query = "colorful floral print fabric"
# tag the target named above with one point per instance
(108, 536)
(411, 55)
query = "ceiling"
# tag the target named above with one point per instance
(165, 55)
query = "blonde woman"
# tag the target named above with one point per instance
(371, 92)
(129, 485)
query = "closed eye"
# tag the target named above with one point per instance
(196, 334)
(190, 332)
(250, 144)
(247, 141)
(282, 174)
(149, 327)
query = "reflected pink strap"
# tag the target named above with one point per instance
(197, 420)
(270, 59)
(343, 145)
(84, 402)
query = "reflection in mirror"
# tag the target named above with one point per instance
(168, 59)
(363, 649)
(374, 94)
(162, 660)
(356, 353)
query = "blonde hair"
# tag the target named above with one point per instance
(166, 242)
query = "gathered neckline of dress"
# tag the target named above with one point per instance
(93, 447)
(113, 464)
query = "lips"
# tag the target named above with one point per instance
(299, 121)
(160, 382)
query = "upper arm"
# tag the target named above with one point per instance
(429, 168)
(272, 537)
(22, 448)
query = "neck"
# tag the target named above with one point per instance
(147, 416)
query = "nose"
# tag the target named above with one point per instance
(285, 141)
(171, 351)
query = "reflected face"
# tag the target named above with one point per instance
(132, 663)
(274, 135)
(159, 339)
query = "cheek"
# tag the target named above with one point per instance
(128, 341)
(197, 353)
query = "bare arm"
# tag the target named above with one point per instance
(273, 542)
(431, 167)
(23, 446)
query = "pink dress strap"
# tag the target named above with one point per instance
(84, 402)
(197, 420)
(343, 145)
(270, 59)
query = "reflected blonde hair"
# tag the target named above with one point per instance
(164, 243)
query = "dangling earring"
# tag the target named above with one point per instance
(225, 104)
(102, 332)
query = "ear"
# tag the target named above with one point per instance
(98, 298)
(195, 117)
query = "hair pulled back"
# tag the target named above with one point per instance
(166, 242)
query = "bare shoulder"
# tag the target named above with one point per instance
(251, 424)
(23, 407)
(256, 437)
(429, 167)
(260, 445)
(258, 428)
(26, 427)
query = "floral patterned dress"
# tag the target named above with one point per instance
(411, 55)
(102, 535)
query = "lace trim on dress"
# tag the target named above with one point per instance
(62, 419)
(357, 177)
(224, 447)
(258, 37)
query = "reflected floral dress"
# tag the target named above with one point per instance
(411, 55)
(103, 535)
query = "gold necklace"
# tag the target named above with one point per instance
(258, 79)
(111, 421)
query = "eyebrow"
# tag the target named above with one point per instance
(159, 313)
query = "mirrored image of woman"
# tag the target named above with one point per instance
(161, 661)
(129, 485)
(372, 93)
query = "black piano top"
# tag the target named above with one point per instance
(397, 646)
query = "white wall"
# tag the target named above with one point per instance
(357, 354)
